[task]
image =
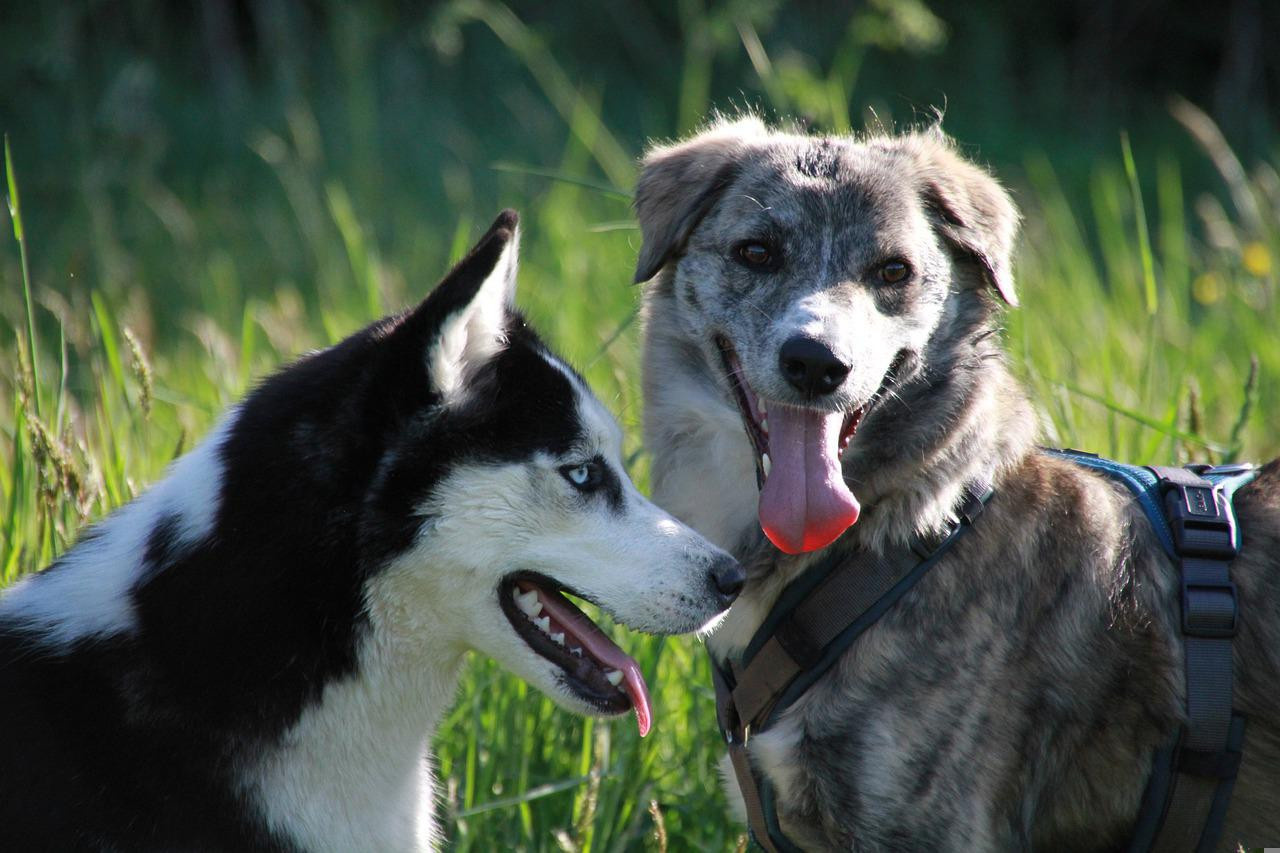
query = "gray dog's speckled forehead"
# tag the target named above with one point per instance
(832, 211)
(875, 194)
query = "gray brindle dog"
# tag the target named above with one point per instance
(821, 348)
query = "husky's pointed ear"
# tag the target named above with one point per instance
(463, 322)
(679, 183)
(972, 211)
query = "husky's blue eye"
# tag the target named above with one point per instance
(584, 477)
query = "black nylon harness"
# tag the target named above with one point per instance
(820, 615)
(817, 617)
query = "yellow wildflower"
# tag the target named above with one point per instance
(1257, 259)
(1207, 288)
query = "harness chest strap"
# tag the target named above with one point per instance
(815, 620)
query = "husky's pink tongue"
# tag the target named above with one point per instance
(805, 504)
(600, 647)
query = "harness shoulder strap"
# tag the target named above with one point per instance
(757, 796)
(1207, 756)
(814, 621)
(1187, 794)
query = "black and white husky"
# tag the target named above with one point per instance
(254, 653)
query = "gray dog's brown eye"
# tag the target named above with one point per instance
(894, 272)
(755, 254)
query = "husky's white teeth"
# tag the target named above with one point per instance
(544, 624)
(766, 463)
(613, 676)
(764, 424)
(528, 603)
(575, 651)
(558, 639)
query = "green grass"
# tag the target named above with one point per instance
(1148, 331)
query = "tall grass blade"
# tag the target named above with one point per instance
(359, 254)
(61, 401)
(613, 225)
(1208, 135)
(1175, 254)
(695, 78)
(763, 66)
(621, 328)
(576, 180)
(19, 234)
(537, 792)
(1147, 421)
(1140, 216)
(461, 239)
(1236, 443)
(552, 79)
(106, 331)
(17, 494)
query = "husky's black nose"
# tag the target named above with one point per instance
(727, 577)
(811, 367)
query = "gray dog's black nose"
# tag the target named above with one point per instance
(811, 367)
(727, 577)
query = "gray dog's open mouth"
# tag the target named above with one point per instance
(805, 503)
(755, 413)
(594, 668)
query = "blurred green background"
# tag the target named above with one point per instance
(203, 190)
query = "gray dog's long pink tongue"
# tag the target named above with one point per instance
(805, 504)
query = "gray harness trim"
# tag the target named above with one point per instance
(823, 612)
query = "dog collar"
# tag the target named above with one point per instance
(816, 618)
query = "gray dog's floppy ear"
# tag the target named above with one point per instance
(680, 183)
(975, 214)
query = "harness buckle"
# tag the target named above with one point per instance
(1201, 525)
(971, 508)
(1230, 469)
(1223, 765)
(1209, 609)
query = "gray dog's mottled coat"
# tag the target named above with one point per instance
(1012, 699)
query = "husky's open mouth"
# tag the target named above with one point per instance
(594, 668)
(805, 503)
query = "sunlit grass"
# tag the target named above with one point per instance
(1147, 332)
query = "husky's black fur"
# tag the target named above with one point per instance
(131, 741)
